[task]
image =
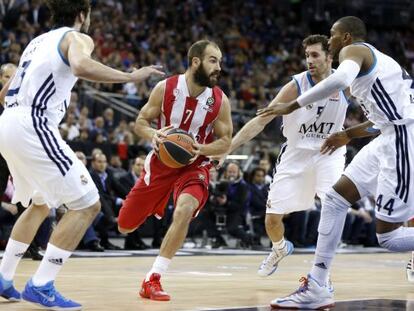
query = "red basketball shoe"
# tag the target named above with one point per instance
(152, 289)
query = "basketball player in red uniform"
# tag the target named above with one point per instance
(191, 102)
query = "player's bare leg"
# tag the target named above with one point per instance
(63, 241)
(173, 240)
(28, 223)
(280, 249)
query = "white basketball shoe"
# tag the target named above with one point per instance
(410, 270)
(269, 265)
(310, 295)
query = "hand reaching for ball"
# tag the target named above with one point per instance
(158, 137)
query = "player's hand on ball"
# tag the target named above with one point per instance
(335, 141)
(159, 135)
(196, 151)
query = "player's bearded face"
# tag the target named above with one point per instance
(203, 78)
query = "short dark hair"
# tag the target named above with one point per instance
(354, 26)
(315, 39)
(254, 171)
(197, 50)
(64, 12)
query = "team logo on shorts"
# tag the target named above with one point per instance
(268, 205)
(201, 177)
(176, 92)
(309, 107)
(83, 179)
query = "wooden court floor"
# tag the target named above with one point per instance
(214, 282)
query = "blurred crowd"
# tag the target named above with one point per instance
(261, 45)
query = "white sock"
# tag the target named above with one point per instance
(159, 266)
(51, 264)
(11, 258)
(280, 244)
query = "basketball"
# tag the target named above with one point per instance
(175, 150)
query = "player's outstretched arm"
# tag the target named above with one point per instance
(339, 139)
(78, 47)
(4, 90)
(223, 129)
(256, 125)
(351, 59)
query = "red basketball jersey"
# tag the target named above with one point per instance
(194, 115)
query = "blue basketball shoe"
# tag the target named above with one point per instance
(8, 291)
(48, 297)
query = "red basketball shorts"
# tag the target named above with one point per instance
(152, 190)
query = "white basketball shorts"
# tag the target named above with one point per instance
(300, 175)
(383, 168)
(43, 167)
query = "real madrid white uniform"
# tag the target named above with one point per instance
(43, 167)
(301, 170)
(383, 167)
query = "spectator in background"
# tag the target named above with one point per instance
(232, 197)
(109, 202)
(73, 106)
(84, 121)
(257, 203)
(116, 170)
(90, 240)
(98, 133)
(265, 165)
(108, 116)
(70, 127)
(128, 180)
(6, 72)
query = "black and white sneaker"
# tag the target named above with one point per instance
(410, 271)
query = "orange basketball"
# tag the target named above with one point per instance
(175, 150)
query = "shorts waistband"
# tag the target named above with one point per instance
(390, 129)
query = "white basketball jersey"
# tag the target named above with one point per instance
(43, 80)
(309, 126)
(385, 92)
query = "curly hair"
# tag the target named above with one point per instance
(64, 12)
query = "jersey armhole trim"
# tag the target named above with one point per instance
(346, 98)
(58, 47)
(298, 86)
(308, 75)
(361, 74)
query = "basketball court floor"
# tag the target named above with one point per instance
(199, 279)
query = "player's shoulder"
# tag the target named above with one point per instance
(356, 49)
(76, 35)
(219, 92)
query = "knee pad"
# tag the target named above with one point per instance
(334, 209)
(398, 240)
